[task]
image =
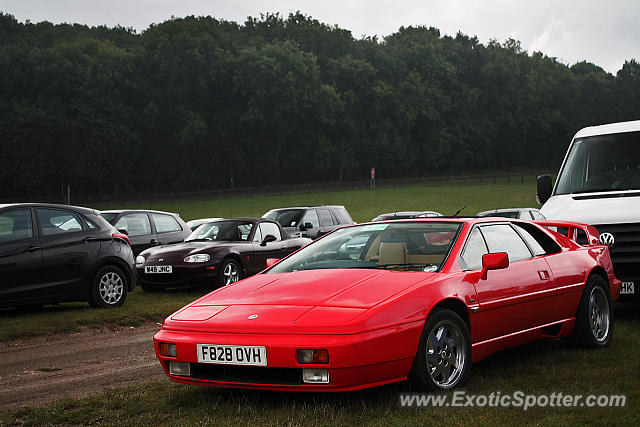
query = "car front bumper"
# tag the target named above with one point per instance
(356, 361)
(197, 275)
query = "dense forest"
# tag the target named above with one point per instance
(190, 104)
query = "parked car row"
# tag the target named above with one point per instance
(405, 279)
(38, 266)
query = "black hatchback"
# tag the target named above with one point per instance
(148, 228)
(55, 253)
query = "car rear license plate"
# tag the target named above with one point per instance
(232, 354)
(158, 269)
(627, 288)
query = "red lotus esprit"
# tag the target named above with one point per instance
(376, 303)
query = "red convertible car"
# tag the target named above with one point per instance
(376, 303)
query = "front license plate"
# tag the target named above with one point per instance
(232, 354)
(158, 269)
(627, 288)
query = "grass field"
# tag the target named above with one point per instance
(542, 367)
(365, 204)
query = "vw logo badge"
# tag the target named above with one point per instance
(607, 239)
(253, 316)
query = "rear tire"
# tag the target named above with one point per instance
(443, 360)
(109, 288)
(594, 319)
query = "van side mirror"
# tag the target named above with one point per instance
(306, 226)
(494, 261)
(268, 238)
(544, 188)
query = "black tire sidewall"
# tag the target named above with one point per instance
(419, 377)
(95, 299)
(583, 334)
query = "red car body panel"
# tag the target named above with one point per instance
(370, 320)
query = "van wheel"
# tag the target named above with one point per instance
(109, 288)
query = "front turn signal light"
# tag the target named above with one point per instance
(168, 349)
(312, 356)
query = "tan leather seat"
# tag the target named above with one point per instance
(393, 253)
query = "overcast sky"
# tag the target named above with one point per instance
(603, 32)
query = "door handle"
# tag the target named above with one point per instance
(89, 239)
(32, 248)
(544, 274)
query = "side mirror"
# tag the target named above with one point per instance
(123, 231)
(268, 238)
(544, 188)
(306, 226)
(271, 261)
(495, 261)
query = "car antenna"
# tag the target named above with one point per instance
(462, 208)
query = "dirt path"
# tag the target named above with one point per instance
(43, 369)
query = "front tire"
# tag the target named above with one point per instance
(230, 272)
(109, 288)
(594, 321)
(443, 359)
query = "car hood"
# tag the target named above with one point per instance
(184, 249)
(299, 302)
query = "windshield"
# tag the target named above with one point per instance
(602, 163)
(286, 217)
(108, 216)
(230, 231)
(415, 246)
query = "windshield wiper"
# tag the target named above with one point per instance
(400, 265)
(203, 239)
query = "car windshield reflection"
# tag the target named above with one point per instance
(230, 231)
(405, 246)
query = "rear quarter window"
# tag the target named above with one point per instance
(546, 243)
(165, 223)
(343, 216)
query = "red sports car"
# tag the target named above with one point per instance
(376, 303)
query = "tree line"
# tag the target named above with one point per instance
(198, 103)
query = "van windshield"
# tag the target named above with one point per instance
(602, 163)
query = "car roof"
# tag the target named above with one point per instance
(308, 207)
(620, 127)
(466, 219)
(408, 213)
(505, 210)
(119, 211)
(81, 209)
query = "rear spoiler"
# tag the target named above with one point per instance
(572, 228)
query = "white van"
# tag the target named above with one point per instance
(599, 184)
